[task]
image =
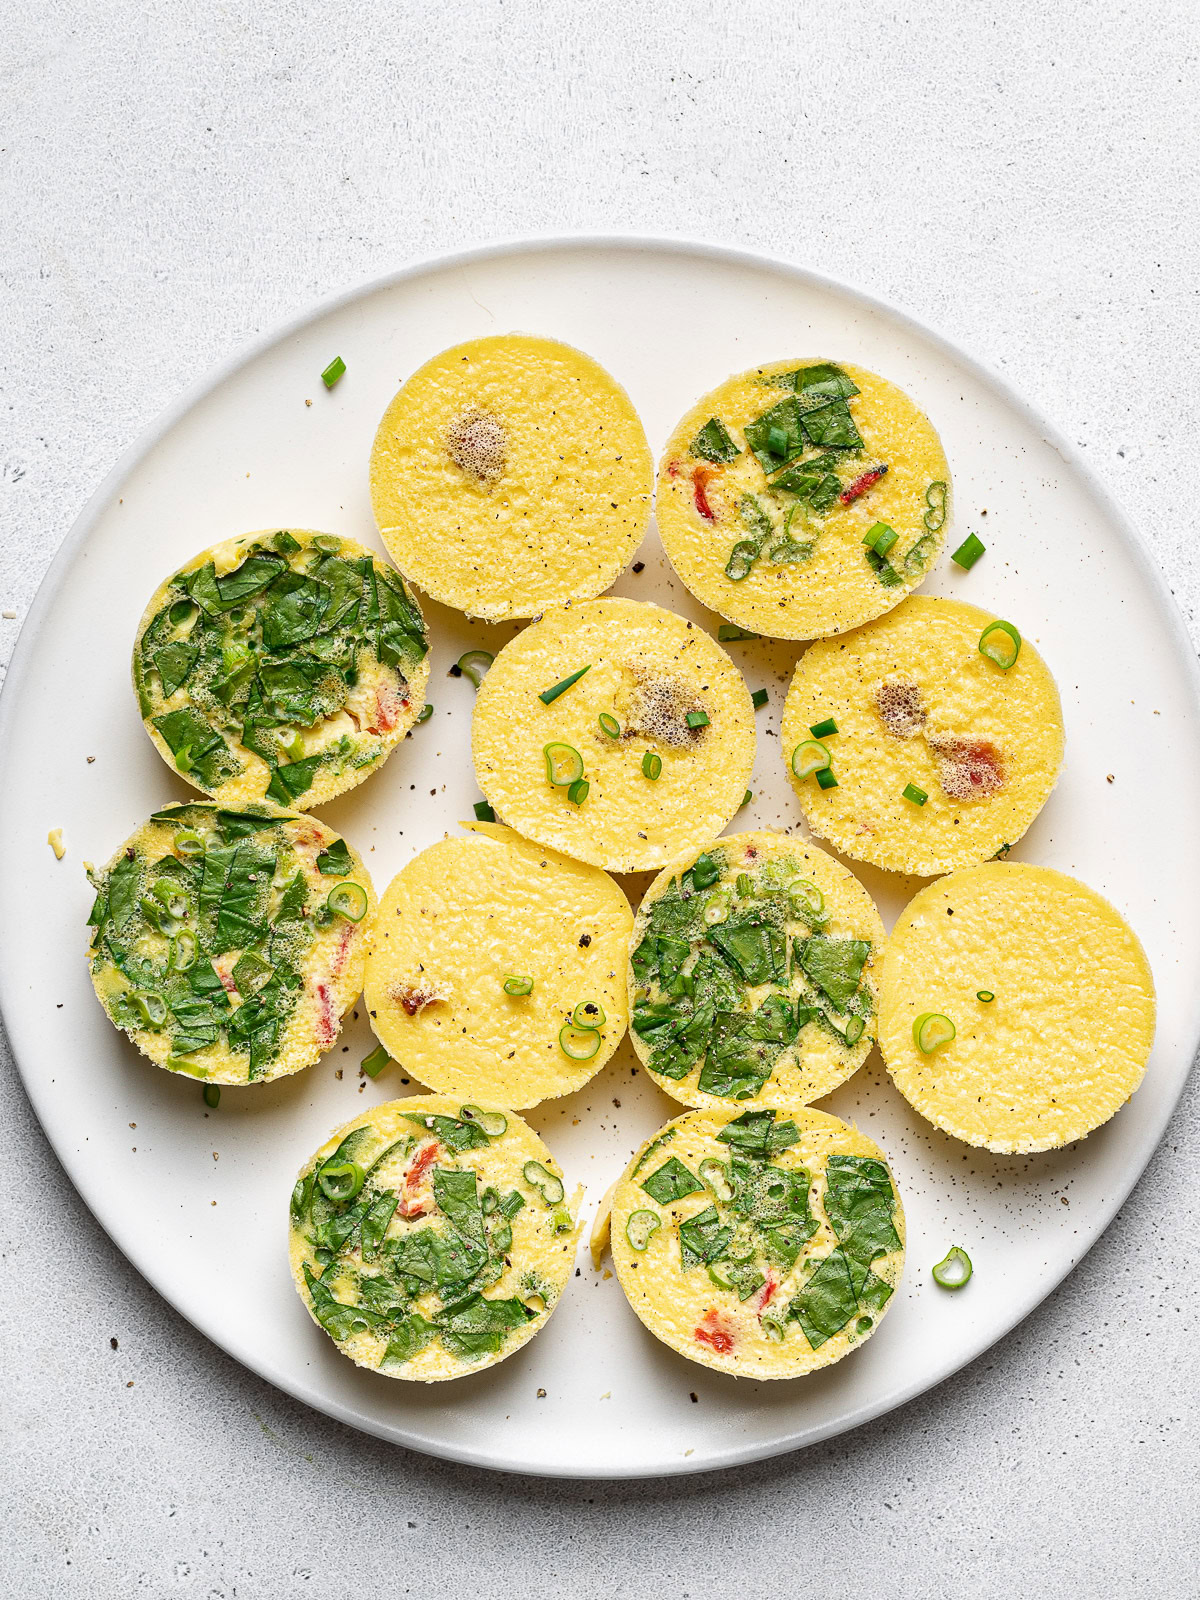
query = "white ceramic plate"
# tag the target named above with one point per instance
(245, 451)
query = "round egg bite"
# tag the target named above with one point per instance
(800, 499)
(753, 973)
(285, 665)
(615, 732)
(229, 944)
(484, 950)
(431, 1239)
(510, 474)
(763, 1243)
(1046, 991)
(941, 757)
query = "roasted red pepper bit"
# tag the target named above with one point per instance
(861, 484)
(699, 480)
(711, 1333)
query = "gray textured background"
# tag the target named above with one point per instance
(178, 175)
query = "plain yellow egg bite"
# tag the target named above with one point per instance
(1017, 1007)
(753, 973)
(803, 498)
(942, 756)
(229, 944)
(509, 474)
(431, 1239)
(763, 1243)
(485, 951)
(285, 665)
(615, 732)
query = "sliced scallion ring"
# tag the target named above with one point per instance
(932, 1029)
(588, 1014)
(564, 764)
(741, 558)
(188, 842)
(550, 695)
(729, 631)
(474, 663)
(540, 1177)
(580, 1044)
(745, 885)
(809, 756)
(152, 1008)
(515, 985)
(985, 995)
(425, 713)
(493, 1123)
(826, 779)
(183, 951)
(717, 906)
(715, 1174)
(609, 724)
(1000, 643)
(348, 900)
(212, 1095)
(807, 901)
(864, 1325)
(822, 730)
(374, 1064)
(652, 766)
(718, 1273)
(954, 1269)
(853, 1030)
(341, 1180)
(640, 1228)
(697, 719)
(578, 791)
(772, 1325)
(561, 1221)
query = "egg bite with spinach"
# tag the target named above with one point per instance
(431, 1239)
(1017, 1007)
(229, 944)
(285, 665)
(509, 474)
(927, 740)
(753, 973)
(616, 732)
(763, 1243)
(800, 499)
(497, 970)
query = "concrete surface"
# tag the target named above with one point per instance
(175, 177)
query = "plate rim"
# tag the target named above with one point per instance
(533, 245)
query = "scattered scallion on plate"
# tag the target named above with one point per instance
(374, 1064)
(954, 1269)
(333, 372)
(968, 552)
(474, 663)
(425, 713)
(759, 699)
(729, 631)
(1000, 643)
(747, 797)
(212, 1095)
(932, 1029)
(483, 811)
(548, 696)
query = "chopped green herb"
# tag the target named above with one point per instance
(579, 1044)
(826, 779)
(348, 900)
(932, 1029)
(935, 500)
(640, 1227)
(810, 756)
(759, 699)
(968, 552)
(672, 1181)
(728, 632)
(548, 696)
(333, 372)
(609, 725)
(822, 730)
(577, 792)
(985, 995)
(911, 792)
(212, 1095)
(880, 538)
(425, 713)
(747, 797)
(334, 861)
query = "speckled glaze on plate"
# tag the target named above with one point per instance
(1060, 556)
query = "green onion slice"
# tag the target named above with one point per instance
(641, 1227)
(954, 1270)
(853, 1030)
(341, 1180)
(517, 985)
(652, 765)
(152, 1008)
(968, 552)
(729, 631)
(759, 699)
(183, 951)
(826, 779)
(212, 1095)
(425, 713)
(715, 1175)
(772, 1324)
(493, 1123)
(932, 1029)
(697, 719)
(718, 906)
(880, 538)
(348, 900)
(718, 1273)
(578, 791)
(483, 811)
(548, 696)
(374, 1064)
(746, 798)
(333, 372)
(741, 558)
(911, 792)
(189, 843)
(474, 663)
(822, 730)
(935, 499)
(609, 724)
(588, 1014)
(1000, 642)
(807, 900)
(564, 764)
(579, 1044)
(809, 756)
(561, 1220)
(985, 995)
(540, 1177)
(745, 885)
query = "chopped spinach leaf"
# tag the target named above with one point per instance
(714, 442)
(334, 861)
(835, 966)
(702, 1237)
(671, 1181)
